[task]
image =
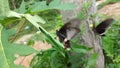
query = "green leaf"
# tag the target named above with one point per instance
(4, 8)
(34, 19)
(92, 60)
(14, 14)
(22, 7)
(8, 20)
(81, 15)
(8, 50)
(39, 19)
(79, 48)
(39, 6)
(54, 42)
(76, 59)
(3, 59)
(55, 4)
(117, 59)
(65, 6)
(11, 17)
(57, 60)
(86, 5)
(108, 46)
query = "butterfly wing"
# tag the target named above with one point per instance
(72, 32)
(68, 30)
(61, 35)
(102, 27)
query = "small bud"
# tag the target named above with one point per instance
(91, 25)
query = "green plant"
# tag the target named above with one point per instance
(107, 2)
(31, 12)
(85, 6)
(111, 46)
(23, 15)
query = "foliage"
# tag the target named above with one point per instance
(55, 4)
(8, 50)
(107, 2)
(53, 58)
(83, 13)
(3, 12)
(34, 13)
(111, 46)
(21, 16)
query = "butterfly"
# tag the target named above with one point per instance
(71, 29)
(103, 26)
(68, 31)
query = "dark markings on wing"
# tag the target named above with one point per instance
(68, 31)
(102, 27)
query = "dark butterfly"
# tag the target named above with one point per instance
(103, 26)
(68, 31)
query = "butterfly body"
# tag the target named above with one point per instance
(62, 33)
(68, 31)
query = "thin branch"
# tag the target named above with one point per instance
(19, 30)
(13, 4)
